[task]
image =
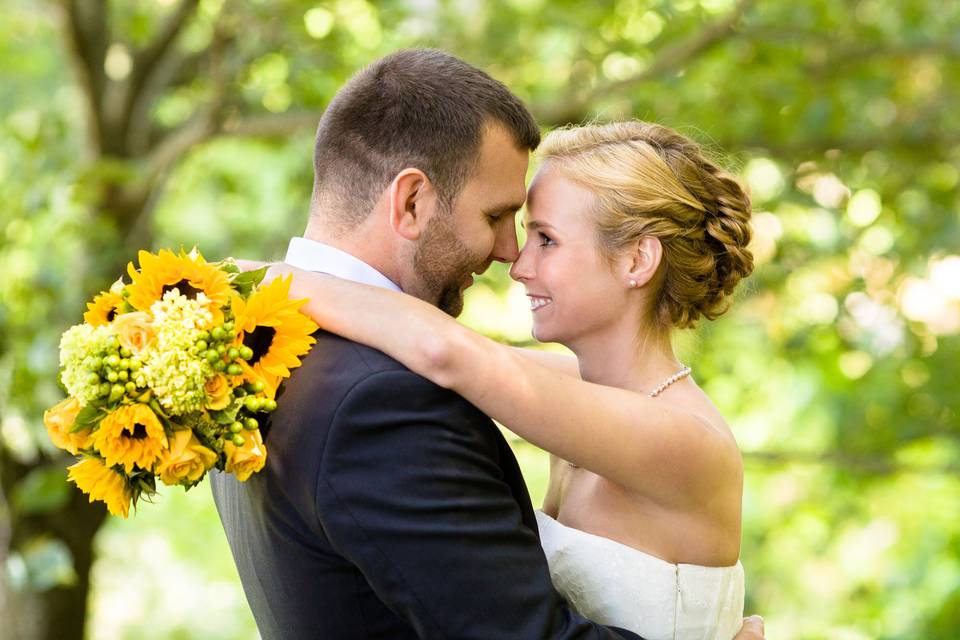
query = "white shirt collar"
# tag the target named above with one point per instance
(311, 255)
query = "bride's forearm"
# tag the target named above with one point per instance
(410, 330)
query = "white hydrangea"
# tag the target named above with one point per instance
(172, 368)
(76, 345)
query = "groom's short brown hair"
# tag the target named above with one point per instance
(418, 108)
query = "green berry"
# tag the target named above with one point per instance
(123, 375)
(246, 352)
(236, 427)
(112, 375)
(250, 424)
(135, 364)
(212, 355)
(235, 370)
(219, 365)
(239, 392)
(116, 392)
(203, 335)
(218, 334)
(251, 404)
(93, 379)
(96, 363)
(238, 440)
(113, 361)
(131, 388)
(228, 326)
(104, 388)
(258, 386)
(233, 353)
(221, 349)
(269, 405)
(202, 345)
(125, 353)
(124, 363)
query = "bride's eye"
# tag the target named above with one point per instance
(545, 240)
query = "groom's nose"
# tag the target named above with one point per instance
(505, 248)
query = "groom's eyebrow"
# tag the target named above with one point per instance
(503, 209)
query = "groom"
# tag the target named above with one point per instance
(390, 507)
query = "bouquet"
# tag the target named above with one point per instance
(172, 374)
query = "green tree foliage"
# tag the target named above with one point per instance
(178, 122)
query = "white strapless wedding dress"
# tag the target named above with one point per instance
(613, 584)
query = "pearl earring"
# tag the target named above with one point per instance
(633, 284)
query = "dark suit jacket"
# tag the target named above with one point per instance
(389, 508)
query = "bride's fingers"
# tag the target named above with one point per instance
(277, 270)
(752, 629)
(250, 265)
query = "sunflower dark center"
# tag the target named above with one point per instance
(259, 341)
(139, 432)
(111, 315)
(186, 289)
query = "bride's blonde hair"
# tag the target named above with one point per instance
(650, 180)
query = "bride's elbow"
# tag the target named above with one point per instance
(442, 357)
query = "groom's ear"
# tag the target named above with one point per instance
(412, 202)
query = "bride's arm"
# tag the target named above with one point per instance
(560, 362)
(639, 442)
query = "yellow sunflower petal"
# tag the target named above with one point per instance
(190, 274)
(102, 483)
(272, 325)
(131, 435)
(103, 308)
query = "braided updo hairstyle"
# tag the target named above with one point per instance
(650, 180)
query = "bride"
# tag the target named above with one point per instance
(631, 233)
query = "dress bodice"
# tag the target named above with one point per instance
(612, 583)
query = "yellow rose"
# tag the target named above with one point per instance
(219, 392)
(59, 420)
(102, 483)
(134, 330)
(185, 460)
(248, 459)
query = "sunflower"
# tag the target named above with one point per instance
(269, 323)
(102, 483)
(103, 308)
(189, 273)
(131, 435)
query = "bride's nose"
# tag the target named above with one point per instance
(522, 269)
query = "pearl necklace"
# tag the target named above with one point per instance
(683, 373)
(679, 375)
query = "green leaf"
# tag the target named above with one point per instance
(48, 564)
(229, 414)
(43, 490)
(245, 281)
(87, 417)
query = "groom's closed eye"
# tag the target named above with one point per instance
(499, 211)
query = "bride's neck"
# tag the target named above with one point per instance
(627, 361)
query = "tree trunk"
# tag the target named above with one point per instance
(60, 613)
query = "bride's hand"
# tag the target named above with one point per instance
(752, 629)
(274, 269)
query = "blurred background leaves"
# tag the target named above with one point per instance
(168, 123)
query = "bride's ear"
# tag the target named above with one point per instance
(643, 260)
(412, 201)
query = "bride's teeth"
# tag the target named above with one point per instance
(536, 303)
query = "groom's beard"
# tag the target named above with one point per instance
(444, 264)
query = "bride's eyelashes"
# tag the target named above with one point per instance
(545, 240)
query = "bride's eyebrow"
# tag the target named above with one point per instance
(533, 225)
